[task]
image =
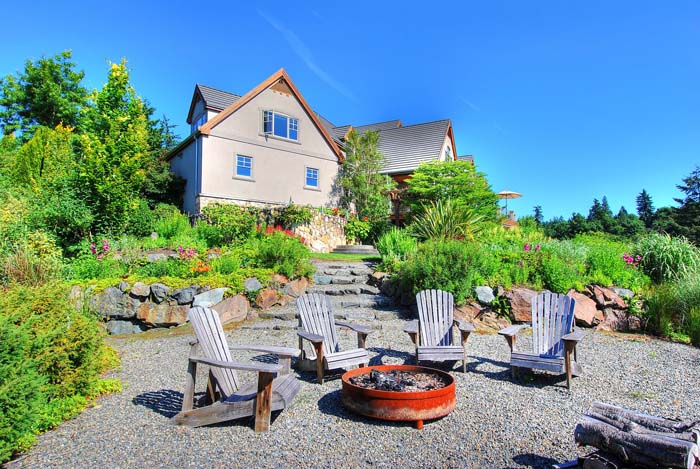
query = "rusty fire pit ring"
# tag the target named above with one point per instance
(399, 406)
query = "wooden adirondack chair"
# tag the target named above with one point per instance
(317, 325)
(270, 393)
(433, 332)
(554, 338)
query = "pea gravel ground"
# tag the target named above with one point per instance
(497, 422)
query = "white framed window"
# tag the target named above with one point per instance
(199, 122)
(244, 166)
(311, 178)
(448, 154)
(280, 125)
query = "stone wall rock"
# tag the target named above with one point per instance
(585, 311)
(323, 233)
(296, 287)
(162, 315)
(186, 295)
(266, 298)
(232, 309)
(484, 294)
(208, 298)
(521, 303)
(113, 303)
(159, 292)
(140, 289)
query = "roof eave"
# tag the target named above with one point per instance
(171, 154)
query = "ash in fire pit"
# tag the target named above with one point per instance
(399, 381)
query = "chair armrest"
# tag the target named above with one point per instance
(464, 326)
(510, 331)
(279, 351)
(411, 327)
(354, 327)
(313, 338)
(574, 336)
(259, 367)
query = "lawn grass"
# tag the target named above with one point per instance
(331, 256)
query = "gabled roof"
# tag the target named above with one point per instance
(279, 76)
(216, 100)
(467, 158)
(341, 131)
(406, 147)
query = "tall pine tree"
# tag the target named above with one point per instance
(645, 208)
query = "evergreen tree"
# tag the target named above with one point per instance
(363, 186)
(538, 214)
(645, 208)
(688, 214)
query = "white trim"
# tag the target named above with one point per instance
(240, 139)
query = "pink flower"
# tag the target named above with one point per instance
(99, 257)
(527, 247)
(537, 248)
(92, 248)
(105, 245)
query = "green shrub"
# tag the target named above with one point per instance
(357, 230)
(212, 235)
(672, 308)
(450, 265)
(140, 220)
(284, 254)
(236, 224)
(665, 258)
(26, 265)
(395, 245)
(170, 222)
(87, 267)
(167, 268)
(293, 215)
(563, 266)
(694, 325)
(446, 219)
(58, 354)
(226, 263)
(21, 398)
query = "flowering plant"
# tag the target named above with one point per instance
(187, 253)
(102, 251)
(631, 260)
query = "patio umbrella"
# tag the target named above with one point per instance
(508, 195)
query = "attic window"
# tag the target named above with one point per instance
(199, 122)
(280, 125)
(448, 154)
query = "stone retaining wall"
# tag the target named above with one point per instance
(323, 233)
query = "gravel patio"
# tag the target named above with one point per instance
(497, 423)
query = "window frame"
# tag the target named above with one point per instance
(268, 125)
(243, 158)
(317, 172)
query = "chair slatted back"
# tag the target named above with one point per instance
(212, 340)
(317, 317)
(552, 318)
(435, 317)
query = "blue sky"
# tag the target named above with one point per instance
(561, 101)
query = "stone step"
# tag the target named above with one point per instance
(356, 249)
(360, 301)
(342, 290)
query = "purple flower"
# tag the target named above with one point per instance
(527, 247)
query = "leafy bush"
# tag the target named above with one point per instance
(226, 263)
(140, 220)
(284, 254)
(167, 268)
(87, 267)
(170, 222)
(672, 307)
(24, 265)
(450, 265)
(665, 258)
(59, 354)
(357, 230)
(292, 215)
(446, 219)
(235, 223)
(607, 265)
(395, 246)
(563, 266)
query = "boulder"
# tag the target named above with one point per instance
(232, 309)
(467, 312)
(634, 323)
(623, 292)
(122, 327)
(185, 296)
(377, 278)
(266, 298)
(252, 284)
(159, 292)
(140, 289)
(162, 315)
(606, 297)
(279, 278)
(156, 257)
(388, 286)
(490, 322)
(210, 297)
(296, 288)
(284, 300)
(615, 320)
(252, 315)
(484, 294)
(123, 286)
(586, 312)
(320, 279)
(520, 299)
(342, 280)
(113, 303)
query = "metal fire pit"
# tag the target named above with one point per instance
(396, 405)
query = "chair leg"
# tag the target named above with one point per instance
(262, 402)
(319, 362)
(188, 397)
(567, 364)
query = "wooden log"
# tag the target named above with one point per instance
(650, 450)
(635, 420)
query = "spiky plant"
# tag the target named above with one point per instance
(444, 219)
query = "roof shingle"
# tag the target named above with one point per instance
(404, 148)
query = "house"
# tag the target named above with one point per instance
(268, 147)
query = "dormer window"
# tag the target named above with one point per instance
(280, 125)
(199, 122)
